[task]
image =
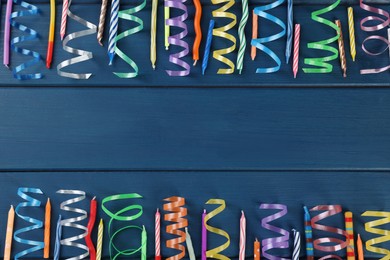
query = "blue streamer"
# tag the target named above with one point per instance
(36, 224)
(57, 245)
(32, 35)
(259, 43)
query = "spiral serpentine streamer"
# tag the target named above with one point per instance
(374, 24)
(328, 244)
(177, 39)
(128, 15)
(216, 252)
(321, 63)
(83, 55)
(176, 215)
(280, 242)
(35, 223)
(121, 216)
(222, 32)
(32, 35)
(384, 235)
(259, 43)
(74, 222)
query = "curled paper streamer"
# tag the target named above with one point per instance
(177, 39)
(259, 43)
(223, 33)
(216, 252)
(122, 215)
(73, 222)
(83, 55)
(322, 62)
(384, 235)
(373, 24)
(32, 10)
(328, 244)
(177, 213)
(280, 242)
(35, 223)
(128, 15)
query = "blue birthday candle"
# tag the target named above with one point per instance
(113, 29)
(289, 29)
(208, 46)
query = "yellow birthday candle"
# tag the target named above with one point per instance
(351, 26)
(371, 227)
(223, 33)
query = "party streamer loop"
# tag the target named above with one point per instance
(280, 242)
(259, 43)
(371, 227)
(120, 215)
(73, 222)
(35, 223)
(322, 62)
(215, 252)
(177, 39)
(222, 32)
(32, 35)
(322, 244)
(83, 55)
(175, 205)
(128, 15)
(373, 24)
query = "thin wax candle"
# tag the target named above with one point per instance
(256, 251)
(204, 237)
(7, 33)
(208, 46)
(242, 236)
(157, 226)
(46, 249)
(9, 233)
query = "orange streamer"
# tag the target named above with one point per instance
(198, 31)
(178, 212)
(254, 34)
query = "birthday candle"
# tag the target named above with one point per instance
(351, 26)
(198, 31)
(297, 245)
(50, 46)
(349, 229)
(254, 34)
(289, 29)
(157, 220)
(113, 30)
(63, 18)
(388, 39)
(102, 21)
(309, 236)
(296, 49)
(7, 33)
(208, 46)
(190, 248)
(144, 241)
(242, 236)
(99, 244)
(256, 250)
(153, 33)
(204, 237)
(342, 49)
(166, 27)
(241, 33)
(360, 248)
(9, 234)
(57, 244)
(46, 249)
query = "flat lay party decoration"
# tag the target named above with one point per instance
(373, 227)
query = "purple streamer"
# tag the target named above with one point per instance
(178, 21)
(280, 242)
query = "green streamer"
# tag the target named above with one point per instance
(115, 252)
(321, 62)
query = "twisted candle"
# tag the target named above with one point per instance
(157, 235)
(289, 29)
(241, 34)
(297, 35)
(242, 236)
(102, 21)
(99, 244)
(64, 16)
(343, 60)
(207, 47)
(351, 26)
(153, 33)
(297, 245)
(113, 30)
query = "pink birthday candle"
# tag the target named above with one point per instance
(157, 235)
(63, 18)
(296, 49)
(242, 236)
(7, 33)
(204, 237)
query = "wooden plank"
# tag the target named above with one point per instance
(146, 128)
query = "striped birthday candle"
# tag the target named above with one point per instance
(113, 30)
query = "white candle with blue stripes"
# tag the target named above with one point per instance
(289, 29)
(113, 30)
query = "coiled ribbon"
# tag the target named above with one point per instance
(73, 222)
(215, 252)
(322, 62)
(32, 35)
(177, 39)
(83, 55)
(35, 223)
(177, 215)
(322, 244)
(379, 24)
(280, 242)
(384, 235)
(128, 15)
(259, 43)
(119, 215)
(223, 33)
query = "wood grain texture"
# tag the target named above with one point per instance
(146, 128)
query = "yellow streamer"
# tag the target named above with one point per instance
(215, 252)
(384, 234)
(222, 32)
